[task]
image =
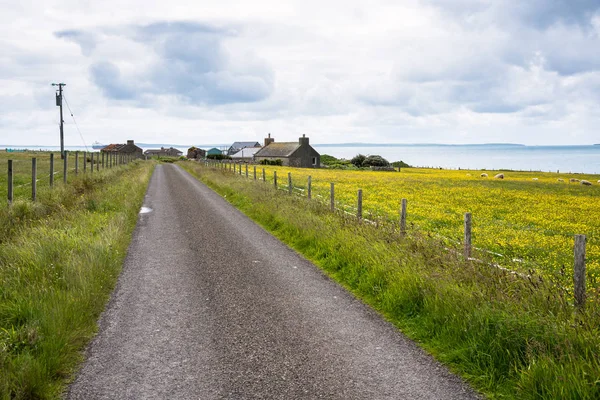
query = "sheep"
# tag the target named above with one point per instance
(484, 175)
(573, 180)
(468, 174)
(499, 176)
(586, 183)
(561, 180)
(534, 179)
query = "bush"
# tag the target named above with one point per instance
(401, 164)
(358, 160)
(271, 162)
(218, 157)
(375, 161)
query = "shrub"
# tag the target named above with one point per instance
(401, 164)
(271, 162)
(358, 160)
(375, 161)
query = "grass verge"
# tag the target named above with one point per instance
(59, 261)
(509, 337)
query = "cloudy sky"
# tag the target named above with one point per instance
(382, 71)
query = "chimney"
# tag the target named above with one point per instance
(269, 140)
(303, 140)
(129, 142)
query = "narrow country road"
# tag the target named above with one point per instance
(210, 306)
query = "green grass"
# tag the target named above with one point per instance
(59, 261)
(509, 337)
(22, 170)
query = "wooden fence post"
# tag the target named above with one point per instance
(76, 162)
(579, 271)
(467, 250)
(403, 218)
(255, 172)
(98, 163)
(33, 179)
(65, 165)
(332, 197)
(51, 169)
(103, 155)
(359, 205)
(275, 179)
(92, 162)
(264, 176)
(84, 161)
(246, 171)
(309, 188)
(290, 187)
(10, 181)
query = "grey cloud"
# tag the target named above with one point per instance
(540, 14)
(545, 13)
(107, 77)
(191, 63)
(86, 40)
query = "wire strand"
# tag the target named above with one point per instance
(76, 126)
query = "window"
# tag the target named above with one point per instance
(314, 161)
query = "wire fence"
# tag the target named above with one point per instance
(465, 247)
(27, 174)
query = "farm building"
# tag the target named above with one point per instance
(162, 152)
(128, 149)
(294, 154)
(196, 153)
(214, 152)
(237, 146)
(245, 154)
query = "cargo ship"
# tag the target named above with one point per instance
(98, 146)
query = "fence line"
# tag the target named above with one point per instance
(579, 272)
(35, 178)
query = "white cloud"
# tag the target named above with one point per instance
(208, 72)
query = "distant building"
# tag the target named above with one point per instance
(196, 153)
(162, 152)
(245, 154)
(294, 154)
(128, 149)
(214, 152)
(237, 146)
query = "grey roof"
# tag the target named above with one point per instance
(245, 153)
(281, 149)
(241, 145)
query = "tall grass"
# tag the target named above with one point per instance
(509, 337)
(59, 260)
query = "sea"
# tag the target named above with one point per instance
(565, 159)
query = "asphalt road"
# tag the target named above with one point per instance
(210, 306)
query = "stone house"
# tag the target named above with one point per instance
(294, 154)
(162, 152)
(127, 149)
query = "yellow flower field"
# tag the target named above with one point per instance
(519, 217)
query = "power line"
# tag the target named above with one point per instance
(76, 126)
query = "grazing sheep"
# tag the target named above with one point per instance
(586, 183)
(573, 180)
(468, 174)
(598, 180)
(499, 176)
(561, 180)
(534, 179)
(484, 175)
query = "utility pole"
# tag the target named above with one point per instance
(59, 104)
